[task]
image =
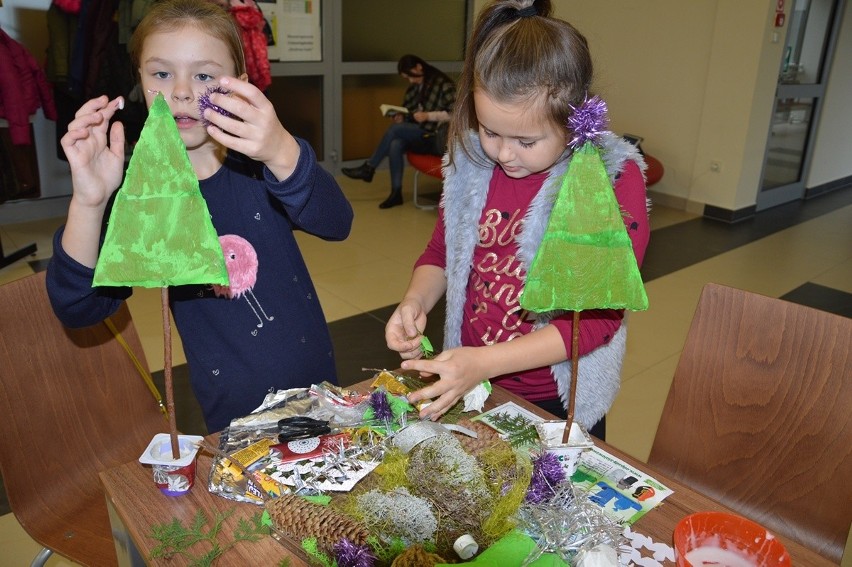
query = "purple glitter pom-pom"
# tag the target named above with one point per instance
(381, 406)
(588, 122)
(204, 103)
(348, 554)
(547, 474)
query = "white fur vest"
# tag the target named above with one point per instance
(464, 195)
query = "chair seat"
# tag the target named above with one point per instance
(427, 164)
(655, 170)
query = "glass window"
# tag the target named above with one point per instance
(788, 139)
(804, 52)
(298, 103)
(433, 30)
(363, 124)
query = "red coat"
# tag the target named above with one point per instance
(250, 20)
(23, 89)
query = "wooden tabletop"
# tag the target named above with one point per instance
(140, 505)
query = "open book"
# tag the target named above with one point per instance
(392, 109)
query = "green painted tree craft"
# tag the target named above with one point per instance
(159, 232)
(586, 259)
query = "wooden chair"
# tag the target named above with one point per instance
(428, 165)
(72, 404)
(759, 415)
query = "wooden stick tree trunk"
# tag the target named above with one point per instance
(575, 355)
(167, 372)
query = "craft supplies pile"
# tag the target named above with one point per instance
(355, 479)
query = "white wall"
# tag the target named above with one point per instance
(697, 80)
(652, 61)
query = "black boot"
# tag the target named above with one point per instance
(364, 171)
(394, 199)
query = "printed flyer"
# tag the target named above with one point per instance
(624, 492)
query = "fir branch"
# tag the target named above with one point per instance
(176, 539)
(519, 430)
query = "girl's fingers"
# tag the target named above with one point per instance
(116, 139)
(244, 100)
(100, 104)
(95, 112)
(243, 89)
(92, 105)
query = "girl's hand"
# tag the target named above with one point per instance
(254, 129)
(97, 167)
(460, 370)
(403, 331)
(420, 116)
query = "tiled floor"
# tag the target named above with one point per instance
(801, 251)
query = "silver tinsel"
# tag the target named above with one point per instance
(567, 524)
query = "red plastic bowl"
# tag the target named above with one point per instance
(726, 540)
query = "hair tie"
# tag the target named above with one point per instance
(528, 11)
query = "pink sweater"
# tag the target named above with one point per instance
(492, 313)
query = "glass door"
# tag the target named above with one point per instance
(811, 37)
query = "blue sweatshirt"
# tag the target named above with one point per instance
(274, 336)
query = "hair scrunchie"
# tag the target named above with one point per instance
(528, 12)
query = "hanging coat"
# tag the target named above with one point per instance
(23, 89)
(250, 20)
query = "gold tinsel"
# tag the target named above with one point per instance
(298, 519)
(416, 556)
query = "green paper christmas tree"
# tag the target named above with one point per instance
(159, 232)
(586, 258)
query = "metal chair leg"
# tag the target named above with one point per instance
(41, 557)
(417, 203)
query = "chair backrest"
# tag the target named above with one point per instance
(759, 415)
(72, 404)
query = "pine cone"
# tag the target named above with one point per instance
(486, 437)
(299, 519)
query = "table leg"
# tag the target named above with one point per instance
(126, 551)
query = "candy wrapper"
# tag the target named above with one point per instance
(308, 465)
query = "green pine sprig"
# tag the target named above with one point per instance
(519, 430)
(176, 539)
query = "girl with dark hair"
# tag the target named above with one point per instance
(429, 100)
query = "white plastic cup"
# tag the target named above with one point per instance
(174, 477)
(550, 436)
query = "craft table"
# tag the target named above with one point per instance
(136, 504)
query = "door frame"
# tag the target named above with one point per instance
(796, 190)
